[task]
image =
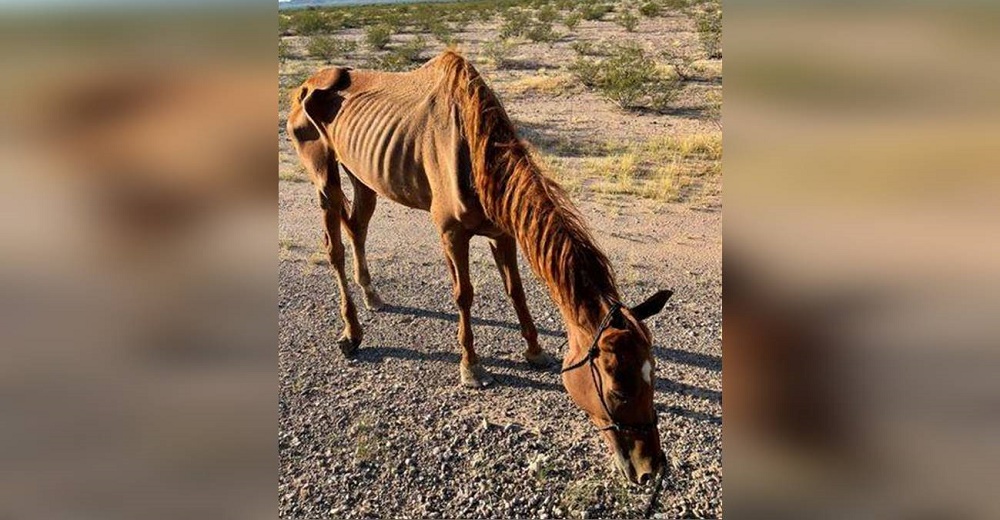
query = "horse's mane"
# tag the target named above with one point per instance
(518, 198)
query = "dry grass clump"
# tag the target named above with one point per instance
(560, 84)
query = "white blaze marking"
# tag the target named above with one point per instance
(647, 371)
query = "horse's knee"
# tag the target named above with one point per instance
(463, 296)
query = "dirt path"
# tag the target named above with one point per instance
(391, 433)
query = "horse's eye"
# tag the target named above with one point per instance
(618, 396)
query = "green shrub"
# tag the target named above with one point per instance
(444, 33)
(329, 48)
(284, 50)
(650, 9)
(547, 13)
(412, 49)
(594, 10)
(378, 36)
(628, 20)
(572, 20)
(540, 32)
(676, 5)
(588, 48)
(709, 23)
(394, 61)
(284, 24)
(628, 78)
(515, 23)
(497, 52)
(309, 22)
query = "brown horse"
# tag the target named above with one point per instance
(437, 139)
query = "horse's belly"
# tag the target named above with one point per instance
(395, 174)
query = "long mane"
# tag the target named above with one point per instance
(519, 199)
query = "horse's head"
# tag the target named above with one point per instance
(614, 384)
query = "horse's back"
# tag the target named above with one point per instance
(399, 134)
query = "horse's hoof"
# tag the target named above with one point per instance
(475, 376)
(373, 302)
(540, 360)
(348, 346)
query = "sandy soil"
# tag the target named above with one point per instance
(391, 433)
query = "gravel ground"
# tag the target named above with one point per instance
(391, 433)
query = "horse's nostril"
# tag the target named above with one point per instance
(644, 477)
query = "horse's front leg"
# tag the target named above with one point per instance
(505, 254)
(331, 201)
(456, 251)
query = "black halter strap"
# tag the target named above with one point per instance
(590, 359)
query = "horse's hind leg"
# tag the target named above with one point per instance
(456, 250)
(332, 203)
(356, 226)
(505, 254)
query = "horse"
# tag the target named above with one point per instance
(437, 139)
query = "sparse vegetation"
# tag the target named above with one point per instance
(650, 9)
(629, 78)
(628, 20)
(497, 52)
(378, 36)
(540, 32)
(572, 20)
(284, 51)
(310, 22)
(680, 61)
(594, 10)
(329, 48)
(709, 23)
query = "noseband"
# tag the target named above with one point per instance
(590, 359)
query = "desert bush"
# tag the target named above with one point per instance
(540, 32)
(628, 20)
(650, 9)
(709, 23)
(680, 61)
(547, 13)
(497, 52)
(572, 20)
(329, 48)
(284, 24)
(378, 36)
(412, 49)
(310, 21)
(392, 61)
(515, 23)
(594, 10)
(588, 48)
(444, 33)
(629, 78)
(284, 50)
(676, 5)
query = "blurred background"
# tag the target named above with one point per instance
(137, 283)
(860, 265)
(138, 275)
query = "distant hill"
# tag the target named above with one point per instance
(298, 4)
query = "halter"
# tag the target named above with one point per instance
(598, 382)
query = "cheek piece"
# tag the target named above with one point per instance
(591, 359)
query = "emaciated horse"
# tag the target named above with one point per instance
(437, 139)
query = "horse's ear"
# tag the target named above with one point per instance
(652, 305)
(311, 111)
(317, 105)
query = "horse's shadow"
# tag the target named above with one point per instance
(378, 354)
(518, 374)
(447, 316)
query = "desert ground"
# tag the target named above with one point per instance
(391, 433)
